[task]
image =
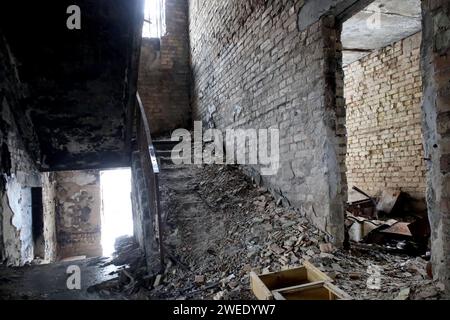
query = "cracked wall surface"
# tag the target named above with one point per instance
(49, 210)
(65, 104)
(436, 124)
(78, 213)
(18, 169)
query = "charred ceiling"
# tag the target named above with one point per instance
(78, 82)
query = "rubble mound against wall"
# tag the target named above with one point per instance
(220, 227)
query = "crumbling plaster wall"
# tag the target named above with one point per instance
(49, 210)
(164, 72)
(253, 68)
(383, 93)
(18, 170)
(436, 124)
(78, 213)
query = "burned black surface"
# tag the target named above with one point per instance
(79, 81)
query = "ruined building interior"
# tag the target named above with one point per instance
(92, 92)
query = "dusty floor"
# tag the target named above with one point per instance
(219, 228)
(50, 281)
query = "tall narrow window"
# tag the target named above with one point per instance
(154, 19)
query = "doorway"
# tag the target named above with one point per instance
(385, 161)
(37, 214)
(117, 218)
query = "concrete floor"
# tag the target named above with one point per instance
(50, 281)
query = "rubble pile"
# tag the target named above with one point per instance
(220, 226)
(390, 220)
(258, 235)
(132, 281)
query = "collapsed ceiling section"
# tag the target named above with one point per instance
(79, 82)
(381, 23)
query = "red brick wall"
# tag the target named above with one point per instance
(164, 77)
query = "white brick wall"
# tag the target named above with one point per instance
(383, 94)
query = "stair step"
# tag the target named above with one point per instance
(167, 145)
(164, 153)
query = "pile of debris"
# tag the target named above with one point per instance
(259, 235)
(132, 281)
(390, 221)
(232, 227)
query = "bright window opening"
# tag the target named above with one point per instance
(117, 218)
(154, 19)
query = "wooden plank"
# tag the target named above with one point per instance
(337, 292)
(286, 278)
(291, 283)
(314, 293)
(301, 287)
(278, 296)
(315, 274)
(259, 288)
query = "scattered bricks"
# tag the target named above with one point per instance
(199, 280)
(354, 275)
(276, 249)
(327, 248)
(255, 59)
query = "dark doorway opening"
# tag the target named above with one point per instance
(37, 212)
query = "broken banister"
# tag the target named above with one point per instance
(151, 148)
(154, 170)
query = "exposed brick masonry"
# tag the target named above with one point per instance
(253, 69)
(383, 94)
(164, 77)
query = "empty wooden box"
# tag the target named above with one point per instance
(303, 283)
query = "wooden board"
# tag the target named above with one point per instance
(258, 287)
(264, 285)
(320, 290)
(314, 293)
(337, 292)
(315, 274)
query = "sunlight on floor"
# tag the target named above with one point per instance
(117, 217)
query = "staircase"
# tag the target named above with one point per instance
(163, 150)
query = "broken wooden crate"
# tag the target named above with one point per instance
(303, 283)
